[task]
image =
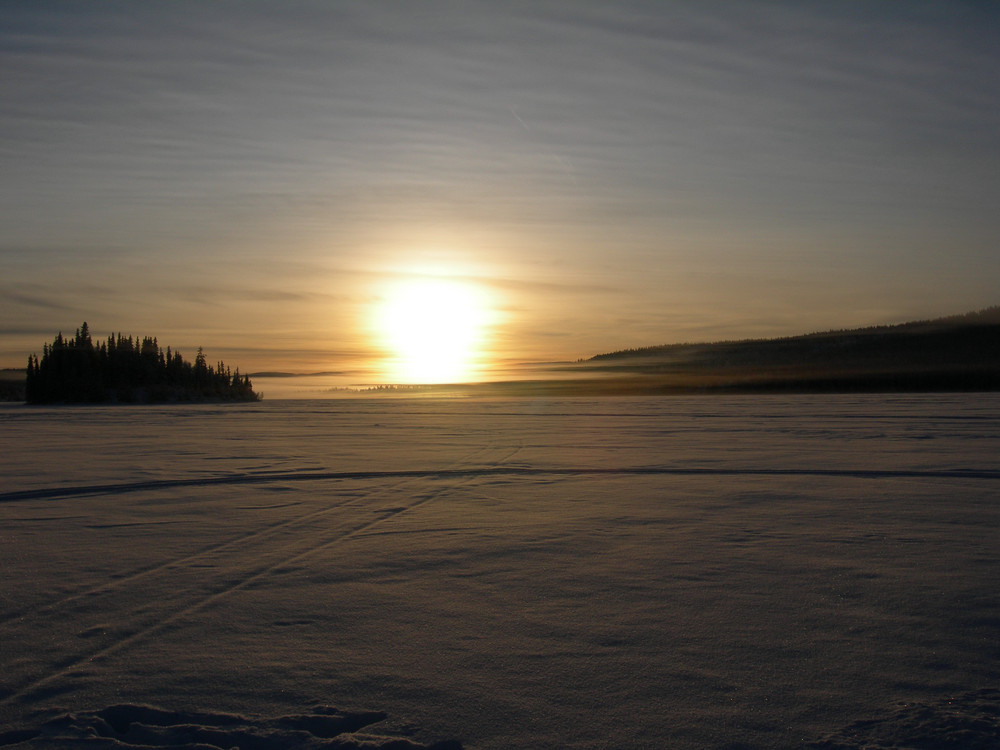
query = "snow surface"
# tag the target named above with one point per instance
(716, 572)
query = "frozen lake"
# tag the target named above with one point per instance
(677, 572)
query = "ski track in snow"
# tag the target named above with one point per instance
(593, 574)
(253, 536)
(492, 471)
(299, 549)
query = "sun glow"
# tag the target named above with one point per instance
(435, 330)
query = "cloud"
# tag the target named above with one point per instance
(210, 153)
(45, 302)
(42, 333)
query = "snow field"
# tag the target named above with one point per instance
(691, 572)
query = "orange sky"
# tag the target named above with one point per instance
(601, 176)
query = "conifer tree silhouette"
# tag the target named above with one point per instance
(126, 370)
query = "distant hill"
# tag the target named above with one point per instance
(960, 352)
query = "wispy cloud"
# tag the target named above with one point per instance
(209, 154)
(43, 301)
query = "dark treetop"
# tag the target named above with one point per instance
(125, 370)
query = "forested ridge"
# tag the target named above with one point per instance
(960, 352)
(127, 370)
(981, 323)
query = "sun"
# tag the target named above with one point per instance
(434, 330)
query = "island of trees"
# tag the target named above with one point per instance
(127, 370)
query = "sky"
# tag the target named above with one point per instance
(262, 178)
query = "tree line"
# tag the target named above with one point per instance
(127, 370)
